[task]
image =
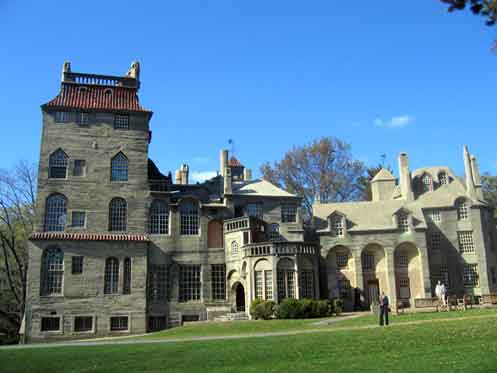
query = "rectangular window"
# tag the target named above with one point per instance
(218, 281)
(255, 210)
(367, 262)
(156, 323)
(344, 288)
(121, 122)
(78, 219)
(246, 238)
(189, 283)
(471, 277)
(157, 283)
(268, 284)
(77, 265)
(337, 226)
(50, 324)
(435, 216)
(83, 324)
(404, 288)
(342, 260)
(127, 276)
(290, 284)
(403, 222)
(79, 168)
(83, 119)
(435, 240)
(62, 116)
(466, 244)
(119, 323)
(259, 286)
(307, 284)
(402, 260)
(288, 213)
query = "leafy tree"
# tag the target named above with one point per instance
(485, 8)
(323, 168)
(489, 187)
(17, 212)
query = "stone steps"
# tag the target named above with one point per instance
(235, 316)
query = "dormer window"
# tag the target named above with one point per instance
(426, 183)
(443, 178)
(403, 222)
(337, 226)
(121, 122)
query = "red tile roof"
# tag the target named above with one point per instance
(63, 236)
(234, 162)
(96, 97)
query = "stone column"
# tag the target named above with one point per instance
(275, 279)
(357, 268)
(425, 272)
(390, 272)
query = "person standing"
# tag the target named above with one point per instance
(384, 308)
(443, 294)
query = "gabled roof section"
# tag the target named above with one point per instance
(383, 175)
(260, 187)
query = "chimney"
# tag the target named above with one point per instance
(405, 177)
(476, 177)
(177, 177)
(247, 174)
(223, 161)
(66, 68)
(184, 170)
(227, 181)
(470, 182)
(134, 70)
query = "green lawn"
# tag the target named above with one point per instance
(464, 345)
(251, 327)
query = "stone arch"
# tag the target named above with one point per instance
(408, 272)
(374, 271)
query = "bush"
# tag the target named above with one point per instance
(261, 309)
(290, 309)
(338, 306)
(323, 308)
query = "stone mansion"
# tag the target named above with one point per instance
(121, 248)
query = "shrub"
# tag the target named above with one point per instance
(261, 309)
(338, 306)
(323, 309)
(290, 309)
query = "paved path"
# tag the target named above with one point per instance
(130, 340)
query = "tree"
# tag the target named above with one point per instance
(365, 181)
(17, 212)
(489, 187)
(485, 8)
(323, 168)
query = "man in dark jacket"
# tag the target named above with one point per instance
(384, 308)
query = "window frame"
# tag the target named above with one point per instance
(218, 282)
(58, 160)
(121, 122)
(62, 116)
(190, 283)
(52, 272)
(83, 168)
(159, 218)
(81, 213)
(83, 118)
(84, 331)
(52, 331)
(111, 276)
(55, 216)
(77, 264)
(112, 329)
(289, 213)
(118, 215)
(119, 168)
(189, 211)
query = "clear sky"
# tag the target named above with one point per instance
(385, 76)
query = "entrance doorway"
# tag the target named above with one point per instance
(240, 298)
(373, 291)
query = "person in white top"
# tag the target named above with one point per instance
(443, 294)
(438, 291)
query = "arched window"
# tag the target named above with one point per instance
(118, 215)
(443, 178)
(127, 276)
(159, 217)
(52, 271)
(274, 232)
(462, 209)
(189, 218)
(57, 165)
(426, 183)
(119, 168)
(111, 279)
(55, 213)
(234, 248)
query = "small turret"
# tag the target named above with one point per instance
(470, 183)
(405, 177)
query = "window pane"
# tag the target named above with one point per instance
(218, 281)
(77, 265)
(288, 213)
(121, 122)
(79, 167)
(127, 276)
(159, 217)
(119, 323)
(57, 165)
(111, 279)
(78, 219)
(189, 283)
(254, 210)
(50, 324)
(157, 283)
(55, 213)
(52, 271)
(83, 323)
(117, 215)
(189, 218)
(119, 168)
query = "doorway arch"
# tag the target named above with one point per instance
(240, 297)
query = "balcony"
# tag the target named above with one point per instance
(280, 248)
(236, 224)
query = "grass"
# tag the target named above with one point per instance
(213, 329)
(456, 345)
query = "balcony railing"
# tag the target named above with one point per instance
(280, 248)
(236, 224)
(96, 79)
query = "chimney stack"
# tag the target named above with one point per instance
(405, 177)
(177, 177)
(476, 177)
(223, 161)
(470, 183)
(227, 189)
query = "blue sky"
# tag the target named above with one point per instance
(269, 74)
